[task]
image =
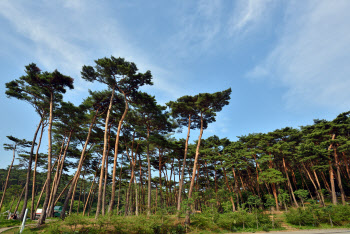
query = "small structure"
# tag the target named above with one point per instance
(38, 213)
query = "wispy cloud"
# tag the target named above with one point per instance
(68, 34)
(312, 56)
(248, 14)
(197, 30)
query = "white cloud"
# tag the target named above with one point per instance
(312, 57)
(197, 30)
(68, 34)
(248, 14)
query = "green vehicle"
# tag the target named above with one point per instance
(57, 211)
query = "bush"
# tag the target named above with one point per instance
(314, 215)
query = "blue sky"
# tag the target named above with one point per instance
(287, 62)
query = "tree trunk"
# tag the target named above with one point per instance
(8, 176)
(105, 144)
(19, 200)
(149, 178)
(58, 174)
(319, 187)
(340, 185)
(47, 197)
(91, 189)
(41, 193)
(32, 212)
(187, 219)
(106, 173)
(64, 189)
(229, 188)
(289, 184)
(331, 176)
(111, 203)
(120, 181)
(29, 170)
(77, 174)
(183, 164)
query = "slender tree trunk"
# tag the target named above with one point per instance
(91, 189)
(120, 181)
(13, 199)
(132, 165)
(64, 189)
(19, 200)
(289, 184)
(105, 144)
(50, 212)
(184, 164)
(58, 174)
(77, 174)
(47, 197)
(136, 199)
(160, 179)
(126, 212)
(238, 190)
(41, 194)
(81, 186)
(149, 178)
(340, 185)
(8, 176)
(106, 173)
(229, 188)
(73, 196)
(92, 200)
(187, 219)
(331, 176)
(111, 203)
(319, 187)
(32, 212)
(29, 170)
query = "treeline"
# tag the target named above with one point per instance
(118, 144)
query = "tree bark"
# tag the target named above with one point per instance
(19, 200)
(8, 176)
(111, 203)
(183, 165)
(187, 219)
(149, 178)
(47, 197)
(91, 189)
(289, 184)
(29, 170)
(331, 176)
(77, 174)
(340, 185)
(105, 143)
(58, 174)
(32, 212)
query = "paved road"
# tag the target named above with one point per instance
(314, 231)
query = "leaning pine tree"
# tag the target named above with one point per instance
(207, 105)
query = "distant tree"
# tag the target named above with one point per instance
(16, 143)
(207, 105)
(185, 113)
(155, 121)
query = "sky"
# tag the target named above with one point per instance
(287, 62)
